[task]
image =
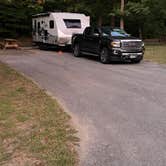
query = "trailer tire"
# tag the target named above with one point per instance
(43, 46)
(76, 50)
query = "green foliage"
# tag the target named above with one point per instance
(137, 12)
(15, 16)
(145, 17)
(155, 25)
(53, 5)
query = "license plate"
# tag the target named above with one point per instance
(133, 56)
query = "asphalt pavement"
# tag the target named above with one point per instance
(119, 109)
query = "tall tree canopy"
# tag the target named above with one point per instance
(137, 12)
(15, 17)
(145, 18)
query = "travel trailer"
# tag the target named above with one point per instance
(57, 28)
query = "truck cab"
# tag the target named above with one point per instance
(110, 44)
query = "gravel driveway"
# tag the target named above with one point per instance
(120, 109)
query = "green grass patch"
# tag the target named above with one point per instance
(32, 123)
(156, 53)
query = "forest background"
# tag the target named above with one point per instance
(142, 18)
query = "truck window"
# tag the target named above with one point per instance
(72, 23)
(51, 23)
(114, 32)
(88, 31)
(96, 31)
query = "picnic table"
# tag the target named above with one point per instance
(10, 43)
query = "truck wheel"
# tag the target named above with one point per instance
(104, 57)
(77, 50)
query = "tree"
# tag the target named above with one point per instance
(15, 16)
(148, 17)
(155, 25)
(100, 10)
(137, 12)
(122, 14)
(97, 9)
(53, 5)
(118, 13)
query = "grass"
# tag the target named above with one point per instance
(156, 53)
(33, 128)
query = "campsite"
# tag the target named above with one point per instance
(59, 106)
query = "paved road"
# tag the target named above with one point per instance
(121, 108)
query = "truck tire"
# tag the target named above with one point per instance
(104, 57)
(76, 50)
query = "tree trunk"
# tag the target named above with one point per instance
(100, 21)
(121, 22)
(113, 21)
(122, 15)
(140, 32)
(113, 16)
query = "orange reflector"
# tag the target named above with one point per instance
(60, 52)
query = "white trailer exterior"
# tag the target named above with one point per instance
(57, 28)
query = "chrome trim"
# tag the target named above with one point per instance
(129, 40)
(132, 53)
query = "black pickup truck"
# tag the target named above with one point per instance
(109, 44)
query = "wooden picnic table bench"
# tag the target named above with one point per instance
(9, 43)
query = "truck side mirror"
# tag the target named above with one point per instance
(96, 34)
(128, 35)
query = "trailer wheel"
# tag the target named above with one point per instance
(76, 50)
(104, 57)
(43, 46)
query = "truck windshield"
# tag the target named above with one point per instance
(115, 32)
(72, 23)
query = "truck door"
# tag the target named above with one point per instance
(85, 44)
(95, 41)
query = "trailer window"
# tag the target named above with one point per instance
(72, 23)
(38, 26)
(35, 25)
(51, 24)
